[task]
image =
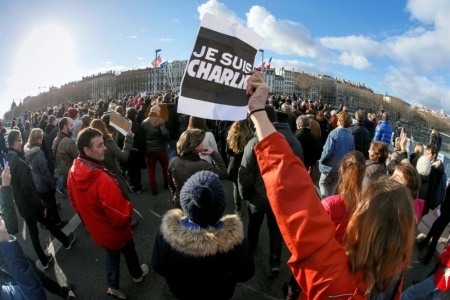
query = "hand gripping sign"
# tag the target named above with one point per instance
(214, 83)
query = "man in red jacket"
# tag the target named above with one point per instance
(96, 197)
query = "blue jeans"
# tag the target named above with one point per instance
(113, 264)
(171, 148)
(426, 287)
(327, 185)
(61, 183)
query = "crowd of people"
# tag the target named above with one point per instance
(368, 203)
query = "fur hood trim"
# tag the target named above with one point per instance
(201, 242)
(31, 150)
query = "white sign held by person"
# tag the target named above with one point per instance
(215, 80)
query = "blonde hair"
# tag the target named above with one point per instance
(418, 149)
(188, 140)
(119, 109)
(344, 119)
(101, 126)
(383, 223)
(239, 135)
(35, 134)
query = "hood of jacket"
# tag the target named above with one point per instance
(154, 119)
(31, 150)
(201, 242)
(84, 172)
(424, 178)
(438, 166)
(283, 128)
(49, 128)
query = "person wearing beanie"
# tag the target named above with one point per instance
(423, 168)
(199, 241)
(44, 121)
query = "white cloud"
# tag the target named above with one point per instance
(357, 44)
(159, 40)
(220, 10)
(140, 58)
(424, 48)
(142, 30)
(354, 60)
(120, 34)
(133, 36)
(176, 21)
(281, 36)
(418, 89)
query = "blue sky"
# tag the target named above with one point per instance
(399, 47)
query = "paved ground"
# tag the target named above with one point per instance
(84, 264)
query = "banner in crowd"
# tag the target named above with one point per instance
(215, 80)
(122, 124)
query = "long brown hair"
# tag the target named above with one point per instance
(380, 152)
(101, 126)
(352, 170)
(380, 234)
(188, 140)
(239, 135)
(197, 123)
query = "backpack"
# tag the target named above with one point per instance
(440, 193)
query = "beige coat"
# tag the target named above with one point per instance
(65, 151)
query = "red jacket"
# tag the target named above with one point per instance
(440, 281)
(335, 207)
(318, 262)
(97, 197)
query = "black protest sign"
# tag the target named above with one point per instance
(217, 71)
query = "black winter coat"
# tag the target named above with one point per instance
(362, 138)
(199, 263)
(251, 184)
(311, 145)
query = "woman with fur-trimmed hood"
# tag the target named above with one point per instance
(201, 254)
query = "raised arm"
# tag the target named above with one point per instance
(318, 262)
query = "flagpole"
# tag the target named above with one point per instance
(154, 70)
(262, 63)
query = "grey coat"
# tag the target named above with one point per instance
(39, 168)
(114, 154)
(373, 170)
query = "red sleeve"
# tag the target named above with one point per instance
(318, 262)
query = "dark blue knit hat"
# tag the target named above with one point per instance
(202, 198)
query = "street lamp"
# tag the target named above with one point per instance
(262, 61)
(154, 70)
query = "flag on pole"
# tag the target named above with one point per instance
(268, 64)
(164, 64)
(261, 66)
(157, 62)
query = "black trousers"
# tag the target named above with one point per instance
(34, 233)
(436, 230)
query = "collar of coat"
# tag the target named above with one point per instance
(201, 242)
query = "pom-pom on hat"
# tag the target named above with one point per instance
(202, 198)
(423, 166)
